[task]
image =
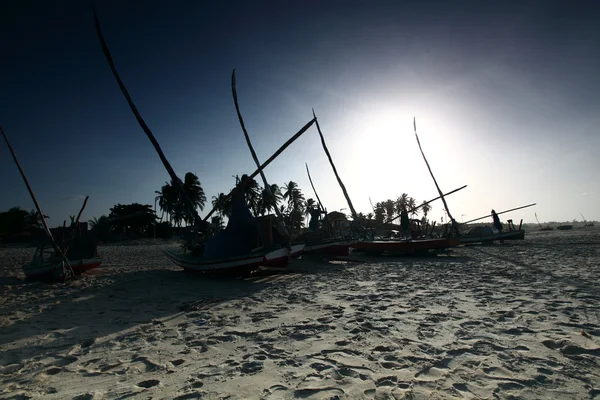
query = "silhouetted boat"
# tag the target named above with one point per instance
(331, 247)
(488, 238)
(418, 246)
(543, 228)
(564, 227)
(51, 268)
(586, 223)
(81, 251)
(243, 264)
(246, 243)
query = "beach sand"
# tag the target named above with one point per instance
(518, 320)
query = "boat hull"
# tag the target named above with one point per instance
(564, 227)
(52, 269)
(281, 257)
(513, 235)
(405, 246)
(331, 248)
(236, 265)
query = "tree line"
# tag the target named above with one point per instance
(139, 220)
(389, 209)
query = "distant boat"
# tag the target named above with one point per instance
(564, 227)
(543, 228)
(586, 223)
(418, 246)
(487, 235)
(235, 265)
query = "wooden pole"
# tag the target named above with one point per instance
(67, 270)
(371, 203)
(503, 212)
(454, 224)
(352, 210)
(80, 212)
(269, 161)
(280, 222)
(313, 188)
(178, 183)
(427, 202)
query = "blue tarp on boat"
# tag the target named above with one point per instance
(238, 238)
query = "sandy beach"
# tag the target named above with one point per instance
(517, 320)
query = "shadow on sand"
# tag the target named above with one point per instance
(44, 318)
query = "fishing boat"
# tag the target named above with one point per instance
(51, 267)
(586, 223)
(543, 228)
(80, 250)
(246, 244)
(239, 246)
(564, 227)
(480, 236)
(77, 253)
(398, 247)
(240, 265)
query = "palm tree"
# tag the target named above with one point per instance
(389, 207)
(401, 202)
(222, 204)
(295, 200)
(166, 196)
(426, 207)
(269, 203)
(379, 212)
(252, 194)
(217, 222)
(193, 189)
(310, 203)
(171, 202)
(411, 204)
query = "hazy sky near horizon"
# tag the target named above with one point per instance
(506, 96)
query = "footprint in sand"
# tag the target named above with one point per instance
(149, 383)
(309, 392)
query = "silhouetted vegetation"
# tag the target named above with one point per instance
(19, 225)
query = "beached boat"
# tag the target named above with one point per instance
(564, 227)
(52, 269)
(543, 228)
(586, 223)
(243, 264)
(333, 247)
(246, 243)
(518, 234)
(419, 246)
(81, 253)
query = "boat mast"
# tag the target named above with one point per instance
(454, 224)
(427, 202)
(538, 221)
(176, 181)
(502, 212)
(352, 210)
(313, 188)
(280, 222)
(66, 266)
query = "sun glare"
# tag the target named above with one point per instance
(386, 158)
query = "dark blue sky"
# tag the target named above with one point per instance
(505, 94)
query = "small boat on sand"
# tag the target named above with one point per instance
(419, 246)
(246, 244)
(485, 234)
(488, 238)
(564, 227)
(243, 264)
(81, 252)
(543, 228)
